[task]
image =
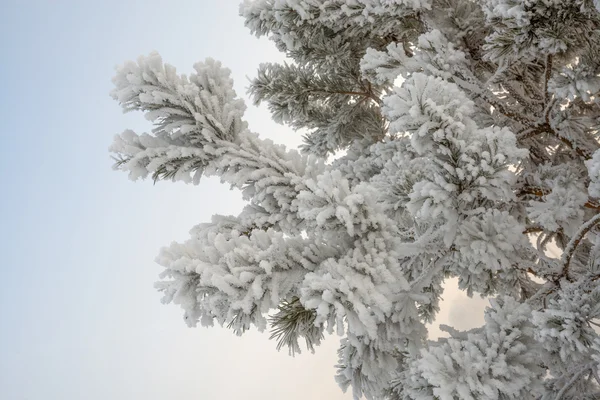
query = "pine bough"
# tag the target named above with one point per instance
(468, 133)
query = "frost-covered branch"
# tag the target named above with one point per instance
(467, 138)
(574, 242)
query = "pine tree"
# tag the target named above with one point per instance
(467, 136)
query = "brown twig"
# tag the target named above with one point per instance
(533, 190)
(533, 229)
(547, 75)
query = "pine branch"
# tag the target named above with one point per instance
(291, 322)
(434, 185)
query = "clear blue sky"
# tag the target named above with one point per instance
(79, 318)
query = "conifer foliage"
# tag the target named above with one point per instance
(467, 136)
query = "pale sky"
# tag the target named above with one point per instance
(79, 316)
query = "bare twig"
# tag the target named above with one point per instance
(533, 229)
(547, 75)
